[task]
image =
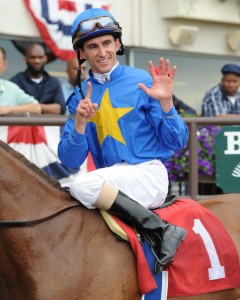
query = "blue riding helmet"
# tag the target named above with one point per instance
(93, 23)
(89, 24)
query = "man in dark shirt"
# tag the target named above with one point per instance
(223, 99)
(36, 82)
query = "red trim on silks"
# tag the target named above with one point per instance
(90, 163)
(189, 273)
(26, 134)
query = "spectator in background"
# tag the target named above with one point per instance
(71, 69)
(180, 106)
(38, 83)
(13, 100)
(224, 99)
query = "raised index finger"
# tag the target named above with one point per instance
(89, 91)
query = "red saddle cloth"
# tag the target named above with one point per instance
(206, 261)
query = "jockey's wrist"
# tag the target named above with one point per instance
(166, 104)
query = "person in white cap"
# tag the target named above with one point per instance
(128, 122)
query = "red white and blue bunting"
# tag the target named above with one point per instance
(39, 145)
(54, 19)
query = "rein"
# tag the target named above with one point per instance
(24, 223)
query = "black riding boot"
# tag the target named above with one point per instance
(166, 236)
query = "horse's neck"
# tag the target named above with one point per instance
(25, 194)
(33, 257)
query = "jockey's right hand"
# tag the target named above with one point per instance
(85, 111)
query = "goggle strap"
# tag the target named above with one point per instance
(80, 61)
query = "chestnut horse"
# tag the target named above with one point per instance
(53, 248)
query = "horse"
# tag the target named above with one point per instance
(52, 247)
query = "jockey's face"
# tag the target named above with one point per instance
(101, 53)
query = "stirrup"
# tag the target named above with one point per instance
(159, 267)
(149, 238)
(152, 238)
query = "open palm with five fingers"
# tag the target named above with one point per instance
(162, 87)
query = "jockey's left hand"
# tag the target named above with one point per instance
(162, 88)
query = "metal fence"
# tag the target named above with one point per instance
(193, 123)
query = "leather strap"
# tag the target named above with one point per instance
(72, 117)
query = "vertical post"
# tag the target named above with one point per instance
(193, 160)
(130, 58)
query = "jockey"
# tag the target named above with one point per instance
(126, 119)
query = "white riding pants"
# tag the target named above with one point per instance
(146, 183)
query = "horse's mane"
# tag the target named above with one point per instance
(30, 165)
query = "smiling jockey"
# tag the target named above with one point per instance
(127, 120)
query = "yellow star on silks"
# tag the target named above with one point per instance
(106, 119)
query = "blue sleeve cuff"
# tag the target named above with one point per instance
(171, 113)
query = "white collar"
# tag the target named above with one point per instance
(105, 77)
(37, 80)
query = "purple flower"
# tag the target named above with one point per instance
(178, 165)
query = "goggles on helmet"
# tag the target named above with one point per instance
(89, 25)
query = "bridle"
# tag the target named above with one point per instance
(25, 223)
